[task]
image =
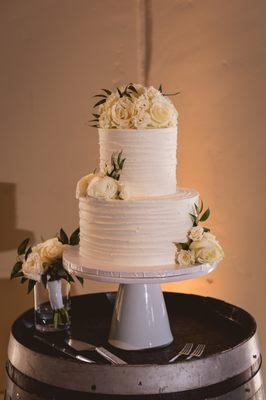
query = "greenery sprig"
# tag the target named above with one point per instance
(199, 216)
(53, 271)
(117, 163)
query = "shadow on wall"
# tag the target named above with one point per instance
(10, 236)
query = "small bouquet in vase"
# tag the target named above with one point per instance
(41, 266)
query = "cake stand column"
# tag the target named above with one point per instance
(140, 320)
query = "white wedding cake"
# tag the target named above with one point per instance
(131, 212)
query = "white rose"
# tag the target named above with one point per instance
(123, 193)
(196, 233)
(141, 120)
(207, 251)
(152, 93)
(32, 267)
(105, 187)
(82, 185)
(49, 250)
(105, 120)
(185, 257)
(141, 104)
(162, 113)
(210, 237)
(121, 113)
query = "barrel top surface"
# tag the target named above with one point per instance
(195, 319)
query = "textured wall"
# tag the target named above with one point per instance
(56, 54)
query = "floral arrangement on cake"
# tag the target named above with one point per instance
(104, 184)
(201, 245)
(43, 263)
(134, 106)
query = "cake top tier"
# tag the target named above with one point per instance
(134, 106)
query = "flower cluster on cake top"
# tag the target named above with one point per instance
(201, 245)
(104, 183)
(134, 106)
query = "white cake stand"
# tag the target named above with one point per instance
(140, 320)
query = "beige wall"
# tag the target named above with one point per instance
(55, 54)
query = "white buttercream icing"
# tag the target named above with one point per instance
(150, 166)
(135, 232)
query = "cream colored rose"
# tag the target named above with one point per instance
(152, 93)
(141, 104)
(162, 113)
(49, 250)
(32, 267)
(141, 120)
(210, 237)
(196, 233)
(121, 113)
(185, 257)
(82, 185)
(105, 121)
(105, 187)
(122, 192)
(207, 251)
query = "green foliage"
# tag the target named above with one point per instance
(15, 273)
(22, 247)
(74, 238)
(31, 285)
(117, 163)
(63, 236)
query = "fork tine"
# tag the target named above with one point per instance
(187, 348)
(199, 350)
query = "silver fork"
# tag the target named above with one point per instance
(183, 352)
(197, 352)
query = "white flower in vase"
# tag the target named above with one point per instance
(49, 250)
(32, 268)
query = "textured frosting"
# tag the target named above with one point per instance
(150, 167)
(140, 232)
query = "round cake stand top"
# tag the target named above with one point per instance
(79, 265)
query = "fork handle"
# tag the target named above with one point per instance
(191, 356)
(174, 358)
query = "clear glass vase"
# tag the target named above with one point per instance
(52, 306)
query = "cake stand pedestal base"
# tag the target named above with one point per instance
(140, 320)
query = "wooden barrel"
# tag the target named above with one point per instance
(230, 368)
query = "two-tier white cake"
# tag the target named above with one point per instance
(140, 228)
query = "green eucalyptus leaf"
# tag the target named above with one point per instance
(99, 103)
(205, 216)
(22, 247)
(132, 88)
(23, 279)
(201, 207)
(94, 126)
(171, 94)
(63, 236)
(96, 115)
(119, 92)
(100, 95)
(160, 88)
(74, 238)
(31, 285)
(28, 253)
(206, 229)
(185, 246)
(16, 269)
(107, 91)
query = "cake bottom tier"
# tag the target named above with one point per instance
(135, 232)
